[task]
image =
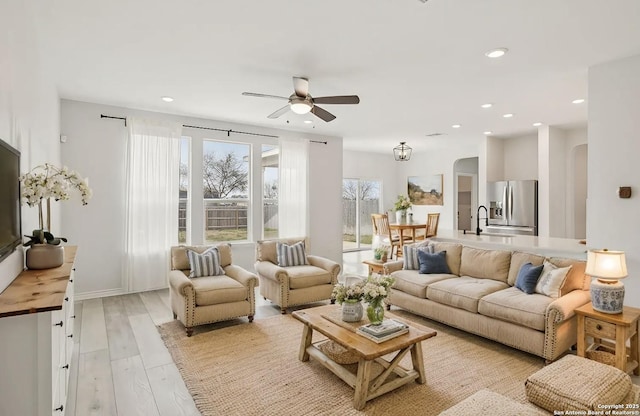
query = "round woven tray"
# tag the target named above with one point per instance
(338, 353)
(602, 357)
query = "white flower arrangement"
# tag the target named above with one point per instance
(353, 292)
(376, 289)
(46, 182)
(403, 203)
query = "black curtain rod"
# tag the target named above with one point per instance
(211, 128)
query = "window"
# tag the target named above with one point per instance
(360, 199)
(228, 189)
(270, 157)
(225, 181)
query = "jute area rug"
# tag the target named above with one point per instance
(253, 369)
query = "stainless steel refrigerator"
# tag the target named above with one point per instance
(513, 207)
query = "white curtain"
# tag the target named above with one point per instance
(292, 192)
(153, 159)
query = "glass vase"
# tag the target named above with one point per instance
(352, 310)
(375, 312)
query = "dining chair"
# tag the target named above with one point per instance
(431, 229)
(381, 228)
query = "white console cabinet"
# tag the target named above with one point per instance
(36, 340)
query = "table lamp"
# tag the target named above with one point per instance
(608, 267)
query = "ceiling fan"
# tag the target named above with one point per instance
(301, 102)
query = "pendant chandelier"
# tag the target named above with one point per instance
(402, 152)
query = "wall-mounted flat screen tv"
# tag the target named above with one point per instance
(10, 227)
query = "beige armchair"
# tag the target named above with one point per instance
(207, 299)
(294, 285)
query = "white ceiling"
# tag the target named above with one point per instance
(418, 67)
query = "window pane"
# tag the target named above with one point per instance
(225, 176)
(183, 190)
(270, 156)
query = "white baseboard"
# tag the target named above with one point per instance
(98, 294)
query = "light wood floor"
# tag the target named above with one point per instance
(121, 366)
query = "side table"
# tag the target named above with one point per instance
(610, 332)
(374, 266)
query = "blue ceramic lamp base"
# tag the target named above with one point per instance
(607, 296)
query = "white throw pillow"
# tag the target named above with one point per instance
(293, 255)
(205, 264)
(551, 280)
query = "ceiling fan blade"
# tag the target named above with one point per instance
(337, 99)
(322, 113)
(254, 94)
(301, 86)
(279, 112)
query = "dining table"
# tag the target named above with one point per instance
(411, 226)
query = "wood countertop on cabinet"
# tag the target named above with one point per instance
(35, 291)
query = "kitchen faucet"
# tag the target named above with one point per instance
(486, 218)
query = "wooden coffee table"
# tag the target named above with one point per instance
(325, 319)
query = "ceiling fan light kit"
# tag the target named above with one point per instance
(402, 152)
(301, 102)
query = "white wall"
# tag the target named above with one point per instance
(614, 146)
(29, 111)
(520, 158)
(96, 148)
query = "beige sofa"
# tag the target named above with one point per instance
(479, 297)
(207, 299)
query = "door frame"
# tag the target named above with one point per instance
(474, 197)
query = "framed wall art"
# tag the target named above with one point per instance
(425, 190)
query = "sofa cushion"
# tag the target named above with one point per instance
(433, 263)
(485, 264)
(519, 258)
(513, 305)
(551, 280)
(409, 281)
(266, 250)
(180, 261)
(576, 383)
(528, 277)
(463, 292)
(576, 279)
(307, 276)
(454, 250)
(214, 290)
(204, 264)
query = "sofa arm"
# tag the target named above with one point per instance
(248, 279)
(392, 266)
(563, 308)
(329, 265)
(272, 271)
(179, 282)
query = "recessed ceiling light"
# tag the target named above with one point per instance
(488, 132)
(487, 105)
(167, 99)
(537, 124)
(578, 101)
(496, 53)
(508, 115)
(456, 126)
(308, 122)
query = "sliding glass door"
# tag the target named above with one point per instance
(360, 199)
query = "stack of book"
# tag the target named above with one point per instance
(388, 329)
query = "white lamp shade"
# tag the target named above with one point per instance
(605, 264)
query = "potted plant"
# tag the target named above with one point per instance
(376, 290)
(350, 295)
(41, 184)
(380, 254)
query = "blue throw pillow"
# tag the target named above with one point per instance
(528, 277)
(432, 263)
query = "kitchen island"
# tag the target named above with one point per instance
(546, 246)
